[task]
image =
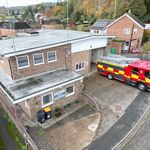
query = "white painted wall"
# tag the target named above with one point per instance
(147, 26)
(98, 31)
(88, 44)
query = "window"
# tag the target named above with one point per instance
(147, 74)
(69, 90)
(52, 56)
(96, 31)
(47, 100)
(23, 61)
(80, 66)
(126, 31)
(38, 59)
(134, 31)
(135, 71)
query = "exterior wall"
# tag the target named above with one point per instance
(85, 57)
(5, 66)
(88, 44)
(117, 46)
(8, 106)
(7, 32)
(116, 29)
(12, 32)
(62, 62)
(98, 31)
(34, 104)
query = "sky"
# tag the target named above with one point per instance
(22, 2)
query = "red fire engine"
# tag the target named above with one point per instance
(133, 72)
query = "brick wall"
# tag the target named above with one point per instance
(33, 105)
(80, 57)
(7, 32)
(12, 32)
(117, 46)
(117, 30)
(61, 62)
(4, 65)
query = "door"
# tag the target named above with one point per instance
(125, 46)
(94, 56)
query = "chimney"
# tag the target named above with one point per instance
(129, 11)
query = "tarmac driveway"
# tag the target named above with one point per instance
(112, 96)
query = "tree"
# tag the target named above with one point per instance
(145, 37)
(146, 47)
(28, 14)
(138, 8)
(39, 8)
(122, 7)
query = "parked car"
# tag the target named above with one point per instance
(135, 51)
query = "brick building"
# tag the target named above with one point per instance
(46, 69)
(128, 30)
(8, 29)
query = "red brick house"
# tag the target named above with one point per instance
(8, 29)
(128, 30)
(46, 69)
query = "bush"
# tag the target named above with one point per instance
(146, 47)
(145, 37)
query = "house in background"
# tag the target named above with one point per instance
(128, 31)
(100, 26)
(46, 69)
(147, 26)
(8, 29)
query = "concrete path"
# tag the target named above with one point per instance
(120, 129)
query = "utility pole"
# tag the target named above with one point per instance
(132, 29)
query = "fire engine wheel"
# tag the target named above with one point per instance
(141, 86)
(110, 77)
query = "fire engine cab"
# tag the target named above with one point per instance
(132, 71)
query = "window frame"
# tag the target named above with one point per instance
(23, 66)
(146, 75)
(45, 105)
(34, 59)
(67, 95)
(136, 72)
(78, 64)
(55, 56)
(125, 31)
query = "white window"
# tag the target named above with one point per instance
(38, 59)
(69, 90)
(80, 66)
(23, 61)
(47, 100)
(126, 31)
(96, 31)
(134, 31)
(52, 56)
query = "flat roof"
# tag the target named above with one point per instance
(22, 89)
(45, 39)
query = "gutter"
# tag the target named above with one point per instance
(15, 101)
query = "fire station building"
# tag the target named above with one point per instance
(46, 68)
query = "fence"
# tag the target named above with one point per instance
(10, 108)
